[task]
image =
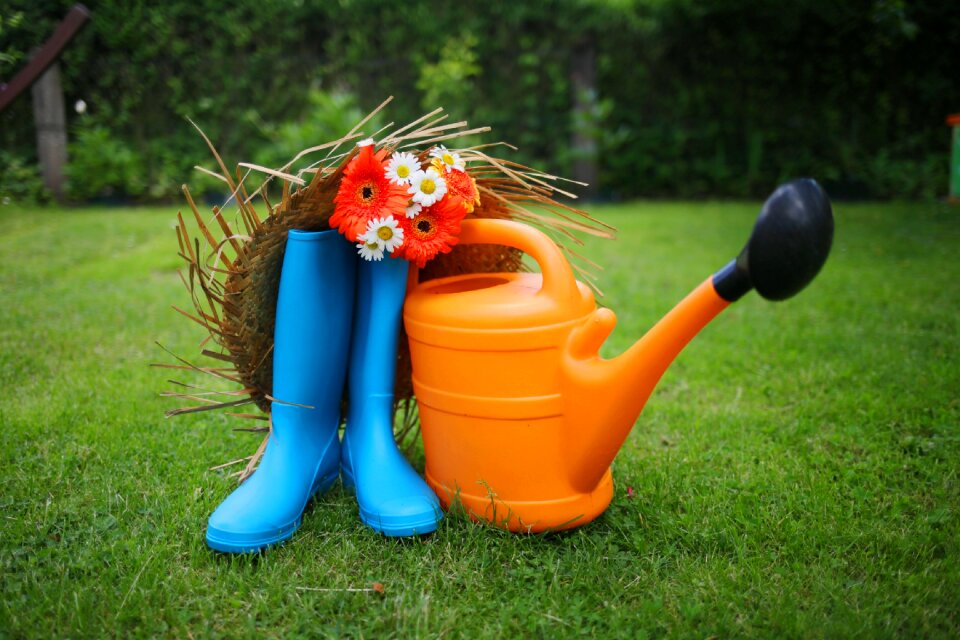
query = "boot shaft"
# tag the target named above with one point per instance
(381, 287)
(314, 318)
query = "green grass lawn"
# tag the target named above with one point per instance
(795, 473)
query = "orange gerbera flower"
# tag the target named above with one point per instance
(461, 186)
(365, 193)
(432, 231)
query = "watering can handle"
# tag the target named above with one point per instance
(558, 280)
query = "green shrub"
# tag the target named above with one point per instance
(102, 165)
(20, 180)
(328, 115)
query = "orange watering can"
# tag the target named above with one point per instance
(520, 417)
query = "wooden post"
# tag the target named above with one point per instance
(45, 56)
(50, 119)
(42, 73)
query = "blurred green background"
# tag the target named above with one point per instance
(676, 98)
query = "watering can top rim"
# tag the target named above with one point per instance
(503, 300)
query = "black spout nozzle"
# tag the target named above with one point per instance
(790, 243)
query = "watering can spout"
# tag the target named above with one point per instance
(603, 398)
(608, 395)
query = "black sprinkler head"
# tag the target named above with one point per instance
(789, 245)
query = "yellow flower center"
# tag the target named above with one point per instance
(428, 186)
(373, 246)
(447, 159)
(385, 233)
(403, 171)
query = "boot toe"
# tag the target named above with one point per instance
(232, 531)
(267, 509)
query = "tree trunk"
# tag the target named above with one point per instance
(583, 79)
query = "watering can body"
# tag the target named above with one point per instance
(487, 352)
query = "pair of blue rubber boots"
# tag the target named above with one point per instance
(338, 319)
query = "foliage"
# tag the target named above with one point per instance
(10, 55)
(738, 94)
(449, 79)
(690, 97)
(20, 181)
(102, 165)
(143, 68)
(794, 475)
(326, 116)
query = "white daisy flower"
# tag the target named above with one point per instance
(366, 142)
(401, 167)
(384, 231)
(449, 159)
(414, 209)
(370, 250)
(427, 187)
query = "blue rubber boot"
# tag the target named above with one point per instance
(393, 499)
(313, 322)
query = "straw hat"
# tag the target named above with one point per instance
(233, 267)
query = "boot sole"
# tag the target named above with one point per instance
(418, 527)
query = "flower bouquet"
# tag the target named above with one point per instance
(403, 207)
